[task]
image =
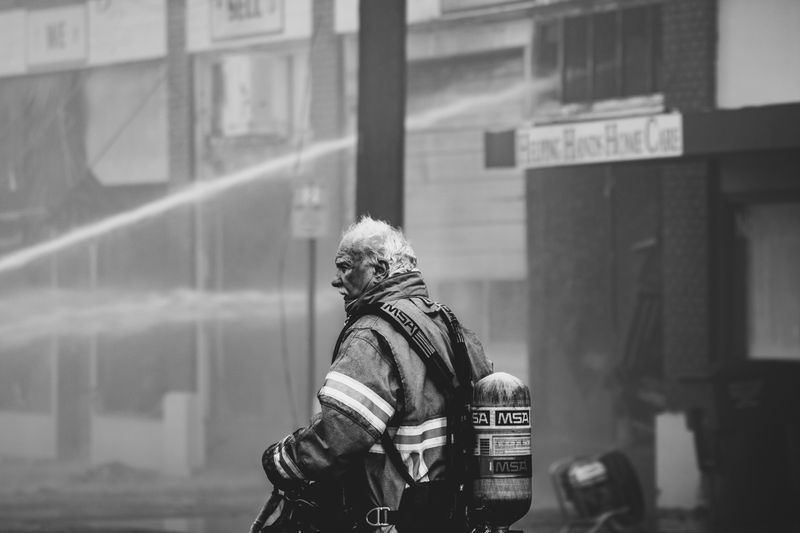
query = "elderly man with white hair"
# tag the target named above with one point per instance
(384, 423)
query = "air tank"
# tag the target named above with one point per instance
(501, 479)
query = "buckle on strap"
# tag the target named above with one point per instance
(378, 517)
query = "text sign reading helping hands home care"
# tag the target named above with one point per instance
(602, 141)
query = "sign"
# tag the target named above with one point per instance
(460, 5)
(602, 141)
(99, 32)
(129, 30)
(309, 212)
(237, 108)
(238, 18)
(495, 417)
(233, 24)
(57, 36)
(12, 42)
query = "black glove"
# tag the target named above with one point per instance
(269, 518)
(278, 481)
(314, 508)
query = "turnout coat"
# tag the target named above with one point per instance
(377, 383)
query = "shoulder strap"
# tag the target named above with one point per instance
(421, 345)
(457, 389)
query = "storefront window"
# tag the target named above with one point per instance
(771, 243)
(251, 95)
(126, 143)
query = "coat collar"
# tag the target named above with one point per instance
(395, 287)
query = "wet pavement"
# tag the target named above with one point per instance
(56, 498)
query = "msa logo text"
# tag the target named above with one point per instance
(512, 418)
(511, 466)
(408, 323)
(480, 418)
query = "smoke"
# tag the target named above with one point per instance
(34, 315)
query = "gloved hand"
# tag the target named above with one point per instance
(278, 481)
(270, 513)
(313, 508)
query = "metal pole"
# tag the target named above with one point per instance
(381, 109)
(312, 271)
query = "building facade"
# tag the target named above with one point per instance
(87, 104)
(177, 341)
(630, 249)
(662, 236)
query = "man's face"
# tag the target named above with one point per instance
(353, 275)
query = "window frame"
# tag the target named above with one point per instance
(741, 298)
(655, 52)
(738, 187)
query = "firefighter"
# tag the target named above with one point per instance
(377, 384)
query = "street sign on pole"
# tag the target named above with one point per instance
(309, 212)
(309, 221)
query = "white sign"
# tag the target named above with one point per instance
(128, 30)
(237, 109)
(237, 18)
(456, 5)
(309, 212)
(56, 36)
(603, 141)
(210, 25)
(12, 42)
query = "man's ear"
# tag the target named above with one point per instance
(381, 268)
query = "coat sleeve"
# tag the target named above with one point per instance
(358, 398)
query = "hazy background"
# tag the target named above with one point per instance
(174, 179)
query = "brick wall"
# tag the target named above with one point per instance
(686, 284)
(689, 37)
(689, 51)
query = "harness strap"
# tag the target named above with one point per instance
(421, 345)
(397, 460)
(456, 389)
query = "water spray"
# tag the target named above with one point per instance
(30, 315)
(203, 190)
(195, 193)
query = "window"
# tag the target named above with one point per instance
(769, 237)
(603, 55)
(252, 95)
(605, 74)
(126, 143)
(576, 59)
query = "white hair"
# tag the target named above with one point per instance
(375, 240)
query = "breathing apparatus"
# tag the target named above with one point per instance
(501, 473)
